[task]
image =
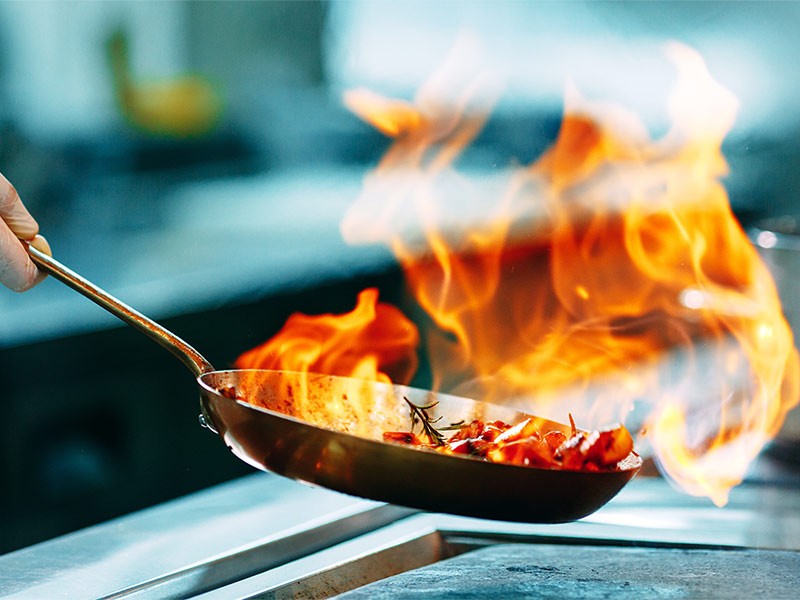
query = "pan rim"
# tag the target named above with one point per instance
(628, 465)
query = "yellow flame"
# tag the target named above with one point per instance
(374, 342)
(608, 274)
(391, 117)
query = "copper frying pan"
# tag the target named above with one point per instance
(327, 431)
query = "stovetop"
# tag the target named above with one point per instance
(266, 536)
(564, 571)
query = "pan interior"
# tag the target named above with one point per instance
(353, 406)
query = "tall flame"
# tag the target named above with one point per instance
(609, 278)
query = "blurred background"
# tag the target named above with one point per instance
(195, 159)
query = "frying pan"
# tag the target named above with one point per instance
(327, 431)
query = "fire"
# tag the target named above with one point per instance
(374, 341)
(608, 279)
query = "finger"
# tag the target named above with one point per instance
(41, 244)
(14, 213)
(17, 271)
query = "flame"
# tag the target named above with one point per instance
(609, 278)
(391, 117)
(374, 341)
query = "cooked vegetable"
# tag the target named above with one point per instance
(522, 444)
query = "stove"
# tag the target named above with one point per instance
(516, 570)
(263, 536)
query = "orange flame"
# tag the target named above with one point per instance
(609, 278)
(374, 341)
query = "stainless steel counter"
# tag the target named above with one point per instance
(268, 535)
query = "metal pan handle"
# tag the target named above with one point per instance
(186, 353)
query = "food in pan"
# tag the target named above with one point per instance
(526, 443)
(532, 442)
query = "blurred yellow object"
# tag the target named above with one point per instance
(184, 106)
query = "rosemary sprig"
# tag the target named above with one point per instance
(420, 416)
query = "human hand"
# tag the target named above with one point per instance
(17, 271)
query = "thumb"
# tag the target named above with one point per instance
(14, 213)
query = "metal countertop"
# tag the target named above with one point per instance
(264, 526)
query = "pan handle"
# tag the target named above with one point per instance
(187, 355)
